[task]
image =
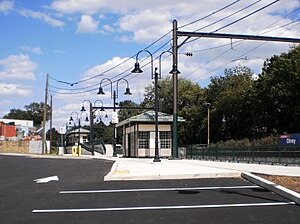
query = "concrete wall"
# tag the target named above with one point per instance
(14, 146)
(33, 147)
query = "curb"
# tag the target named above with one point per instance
(278, 189)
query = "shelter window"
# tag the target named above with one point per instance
(144, 137)
(165, 139)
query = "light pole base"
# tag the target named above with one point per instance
(156, 159)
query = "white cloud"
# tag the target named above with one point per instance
(14, 90)
(145, 21)
(108, 28)
(6, 6)
(17, 67)
(73, 6)
(87, 25)
(35, 50)
(146, 25)
(42, 16)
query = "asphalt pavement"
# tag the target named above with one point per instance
(29, 193)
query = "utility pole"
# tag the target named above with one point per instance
(114, 137)
(44, 144)
(175, 93)
(50, 133)
(91, 128)
(175, 47)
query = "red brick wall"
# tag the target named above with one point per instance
(7, 130)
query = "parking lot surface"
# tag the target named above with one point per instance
(41, 190)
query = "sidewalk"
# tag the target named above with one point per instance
(146, 169)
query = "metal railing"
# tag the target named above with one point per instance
(252, 154)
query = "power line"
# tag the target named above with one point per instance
(224, 45)
(246, 16)
(110, 69)
(240, 42)
(234, 13)
(204, 17)
(226, 17)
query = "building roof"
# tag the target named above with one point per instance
(149, 117)
(75, 131)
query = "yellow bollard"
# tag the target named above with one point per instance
(79, 150)
(74, 150)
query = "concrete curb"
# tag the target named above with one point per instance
(121, 176)
(278, 189)
(156, 171)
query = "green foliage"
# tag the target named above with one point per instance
(190, 102)
(277, 94)
(230, 111)
(33, 111)
(126, 113)
(242, 108)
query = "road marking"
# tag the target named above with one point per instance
(46, 179)
(159, 207)
(158, 189)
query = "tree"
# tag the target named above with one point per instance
(123, 114)
(190, 104)
(277, 94)
(230, 109)
(33, 111)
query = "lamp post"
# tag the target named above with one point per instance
(154, 76)
(114, 96)
(208, 122)
(157, 76)
(174, 72)
(78, 117)
(91, 122)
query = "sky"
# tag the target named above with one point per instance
(81, 44)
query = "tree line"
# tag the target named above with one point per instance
(240, 104)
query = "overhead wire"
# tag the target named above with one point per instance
(241, 41)
(246, 16)
(267, 31)
(95, 76)
(226, 17)
(157, 50)
(113, 79)
(205, 17)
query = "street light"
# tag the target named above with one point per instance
(91, 121)
(78, 117)
(174, 72)
(157, 76)
(154, 76)
(114, 95)
(208, 122)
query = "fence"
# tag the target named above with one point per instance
(267, 155)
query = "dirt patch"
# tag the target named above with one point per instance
(292, 183)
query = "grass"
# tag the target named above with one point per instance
(292, 183)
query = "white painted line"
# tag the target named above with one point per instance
(46, 179)
(159, 207)
(158, 189)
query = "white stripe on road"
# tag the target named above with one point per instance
(159, 207)
(157, 189)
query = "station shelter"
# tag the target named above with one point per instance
(138, 134)
(76, 135)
